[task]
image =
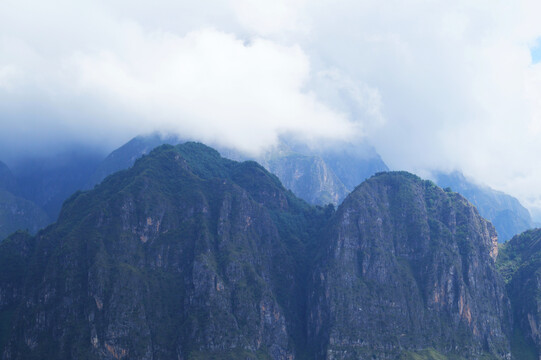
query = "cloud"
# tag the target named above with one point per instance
(211, 86)
(433, 84)
(130, 78)
(457, 83)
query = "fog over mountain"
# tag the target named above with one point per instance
(433, 85)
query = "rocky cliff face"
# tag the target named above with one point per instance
(187, 255)
(353, 164)
(178, 258)
(309, 178)
(505, 212)
(322, 175)
(407, 267)
(520, 263)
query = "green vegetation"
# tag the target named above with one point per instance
(521, 252)
(190, 255)
(519, 262)
(183, 247)
(236, 354)
(521, 347)
(428, 354)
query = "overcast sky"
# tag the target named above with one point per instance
(432, 84)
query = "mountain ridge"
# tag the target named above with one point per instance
(504, 211)
(189, 255)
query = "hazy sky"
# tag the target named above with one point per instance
(432, 84)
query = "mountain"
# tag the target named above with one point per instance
(504, 211)
(48, 181)
(308, 177)
(15, 212)
(520, 263)
(318, 176)
(322, 175)
(351, 163)
(407, 266)
(187, 255)
(7, 180)
(125, 156)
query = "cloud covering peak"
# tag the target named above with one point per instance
(433, 84)
(204, 83)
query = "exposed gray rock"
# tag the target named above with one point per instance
(407, 267)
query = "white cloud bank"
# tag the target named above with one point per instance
(126, 78)
(211, 86)
(432, 83)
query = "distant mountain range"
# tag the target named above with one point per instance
(318, 175)
(49, 181)
(504, 211)
(17, 212)
(322, 175)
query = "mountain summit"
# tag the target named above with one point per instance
(407, 266)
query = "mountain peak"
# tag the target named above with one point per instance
(400, 258)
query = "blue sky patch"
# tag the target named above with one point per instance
(535, 52)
